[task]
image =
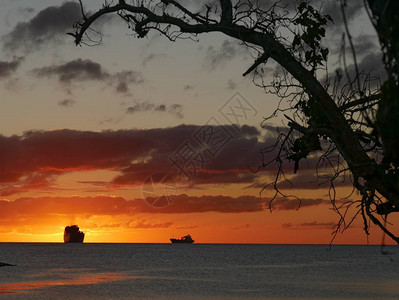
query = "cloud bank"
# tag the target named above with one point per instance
(48, 26)
(111, 206)
(80, 70)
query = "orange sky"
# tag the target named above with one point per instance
(209, 219)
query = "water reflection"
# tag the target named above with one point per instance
(23, 287)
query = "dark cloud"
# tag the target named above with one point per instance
(220, 177)
(145, 224)
(79, 70)
(86, 70)
(371, 68)
(231, 165)
(372, 63)
(48, 26)
(124, 79)
(318, 224)
(363, 44)
(28, 10)
(231, 85)
(333, 9)
(55, 152)
(366, 44)
(106, 205)
(139, 224)
(218, 57)
(368, 53)
(293, 204)
(173, 109)
(112, 206)
(8, 68)
(241, 227)
(135, 154)
(187, 227)
(100, 205)
(308, 225)
(96, 183)
(150, 57)
(188, 87)
(206, 203)
(107, 225)
(308, 179)
(67, 102)
(29, 181)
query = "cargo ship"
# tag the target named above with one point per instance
(72, 234)
(184, 240)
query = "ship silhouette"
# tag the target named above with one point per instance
(183, 240)
(72, 234)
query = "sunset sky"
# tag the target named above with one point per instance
(85, 129)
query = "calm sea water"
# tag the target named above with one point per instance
(199, 271)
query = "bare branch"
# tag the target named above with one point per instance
(373, 98)
(262, 59)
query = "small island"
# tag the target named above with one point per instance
(72, 234)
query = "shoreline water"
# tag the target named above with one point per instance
(205, 271)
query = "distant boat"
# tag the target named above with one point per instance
(72, 234)
(184, 240)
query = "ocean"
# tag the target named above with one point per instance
(198, 271)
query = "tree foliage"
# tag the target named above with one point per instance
(349, 121)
